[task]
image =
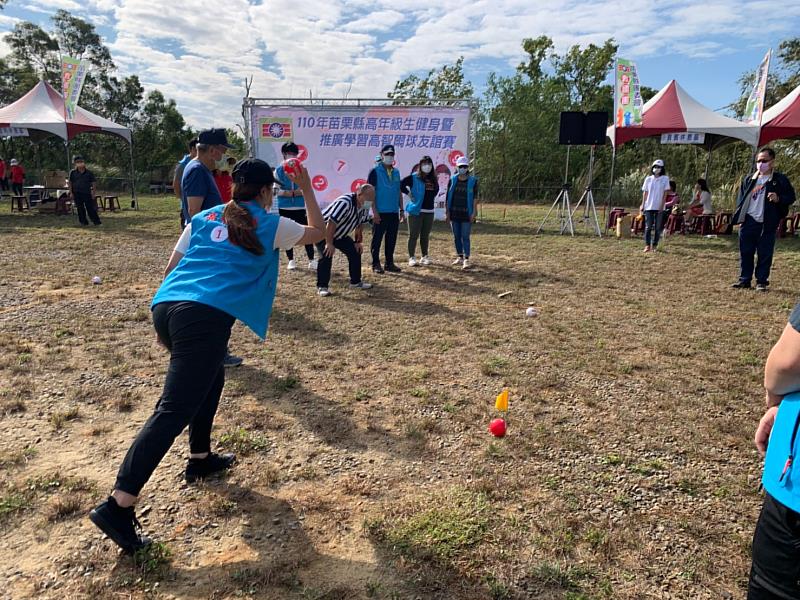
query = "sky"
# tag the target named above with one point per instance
(199, 52)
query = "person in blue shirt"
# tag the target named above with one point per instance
(775, 571)
(199, 191)
(421, 187)
(291, 205)
(462, 209)
(387, 213)
(179, 169)
(228, 271)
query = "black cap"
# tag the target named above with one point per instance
(77, 158)
(253, 170)
(387, 148)
(213, 137)
(290, 148)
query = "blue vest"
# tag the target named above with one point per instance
(414, 204)
(784, 486)
(471, 181)
(286, 185)
(217, 273)
(387, 192)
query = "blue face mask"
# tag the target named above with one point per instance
(462, 170)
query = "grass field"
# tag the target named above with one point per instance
(366, 469)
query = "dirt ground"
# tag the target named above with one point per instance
(365, 466)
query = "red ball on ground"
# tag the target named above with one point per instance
(497, 427)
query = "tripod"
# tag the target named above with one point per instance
(562, 201)
(589, 209)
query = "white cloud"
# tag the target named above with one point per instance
(200, 51)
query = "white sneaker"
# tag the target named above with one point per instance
(466, 264)
(291, 266)
(312, 264)
(457, 261)
(412, 262)
(425, 261)
(361, 285)
(323, 292)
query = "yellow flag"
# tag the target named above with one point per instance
(501, 403)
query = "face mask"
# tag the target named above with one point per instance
(763, 167)
(657, 170)
(388, 160)
(427, 168)
(462, 170)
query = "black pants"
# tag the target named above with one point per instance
(389, 225)
(754, 237)
(196, 336)
(298, 216)
(16, 188)
(4, 184)
(85, 204)
(348, 248)
(775, 573)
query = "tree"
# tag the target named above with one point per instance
(446, 83)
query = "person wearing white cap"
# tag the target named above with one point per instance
(654, 193)
(17, 177)
(462, 209)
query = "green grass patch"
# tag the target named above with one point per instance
(244, 442)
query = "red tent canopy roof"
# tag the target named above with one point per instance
(42, 109)
(782, 121)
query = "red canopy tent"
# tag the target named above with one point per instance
(673, 110)
(782, 121)
(41, 114)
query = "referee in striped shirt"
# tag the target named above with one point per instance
(344, 216)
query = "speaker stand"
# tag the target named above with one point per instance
(562, 202)
(587, 199)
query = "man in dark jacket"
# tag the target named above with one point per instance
(81, 186)
(763, 200)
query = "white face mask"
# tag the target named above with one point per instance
(657, 170)
(462, 170)
(426, 168)
(388, 160)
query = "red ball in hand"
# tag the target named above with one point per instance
(291, 166)
(497, 427)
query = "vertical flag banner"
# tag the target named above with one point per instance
(755, 103)
(338, 144)
(73, 75)
(627, 95)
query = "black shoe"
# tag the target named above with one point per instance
(761, 287)
(377, 268)
(231, 361)
(98, 223)
(393, 268)
(200, 468)
(742, 285)
(120, 525)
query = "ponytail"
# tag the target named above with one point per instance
(241, 227)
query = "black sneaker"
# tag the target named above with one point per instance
(200, 468)
(377, 268)
(761, 287)
(393, 268)
(231, 361)
(120, 525)
(741, 285)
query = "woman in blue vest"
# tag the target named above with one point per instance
(292, 205)
(421, 187)
(462, 209)
(229, 272)
(775, 571)
(387, 212)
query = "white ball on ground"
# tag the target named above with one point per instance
(96, 280)
(531, 312)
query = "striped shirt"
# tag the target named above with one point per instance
(344, 212)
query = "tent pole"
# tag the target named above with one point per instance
(610, 185)
(134, 200)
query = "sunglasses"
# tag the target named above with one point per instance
(764, 160)
(388, 153)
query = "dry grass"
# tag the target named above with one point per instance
(627, 472)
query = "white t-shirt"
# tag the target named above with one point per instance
(656, 187)
(705, 201)
(756, 208)
(286, 236)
